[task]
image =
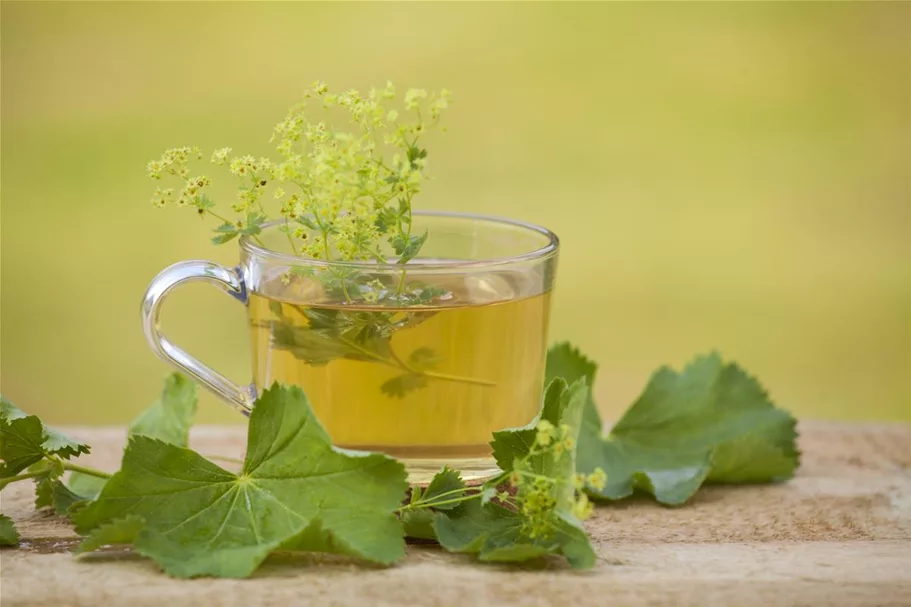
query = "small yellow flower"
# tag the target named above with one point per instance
(154, 169)
(578, 481)
(582, 507)
(161, 197)
(220, 156)
(278, 193)
(319, 88)
(412, 96)
(515, 478)
(558, 450)
(597, 479)
(545, 433)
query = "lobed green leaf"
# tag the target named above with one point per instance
(25, 440)
(8, 534)
(295, 490)
(711, 423)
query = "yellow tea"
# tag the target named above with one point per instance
(427, 385)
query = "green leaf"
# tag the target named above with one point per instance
(203, 202)
(226, 232)
(513, 443)
(446, 485)
(62, 498)
(400, 385)
(85, 486)
(223, 238)
(203, 520)
(711, 423)
(424, 359)
(255, 220)
(118, 532)
(50, 472)
(170, 417)
(8, 534)
(407, 249)
(567, 362)
(497, 533)
(415, 153)
(419, 524)
(25, 440)
(494, 533)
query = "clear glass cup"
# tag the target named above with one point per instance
(422, 361)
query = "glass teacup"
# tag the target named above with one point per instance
(422, 361)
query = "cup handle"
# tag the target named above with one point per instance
(230, 281)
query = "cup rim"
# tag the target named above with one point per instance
(549, 249)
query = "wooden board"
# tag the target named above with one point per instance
(839, 534)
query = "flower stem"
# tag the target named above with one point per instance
(446, 377)
(395, 361)
(84, 470)
(20, 477)
(290, 238)
(435, 503)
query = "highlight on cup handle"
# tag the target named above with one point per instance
(230, 281)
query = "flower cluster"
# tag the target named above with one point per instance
(342, 194)
(541, 492)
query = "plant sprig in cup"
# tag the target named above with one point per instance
(339, 196)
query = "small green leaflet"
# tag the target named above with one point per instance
(445, 486)
(25, 440)
(408, 249)
(419, 361)
(228, 231)
(50, 490)
(224, 233)
(711, 423)
(295, 490)
(85, 486)
(494, 532)
(8, 534)
(170, 417)
(121, 531)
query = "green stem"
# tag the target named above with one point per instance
(398, 363)
(458, 378)
(437, 504)
(255, 237)
(217, 216)
(290, 238)
(20, 477)
(84, 470)
(401, 287)
(430, 501)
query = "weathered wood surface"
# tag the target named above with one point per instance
(838, 534)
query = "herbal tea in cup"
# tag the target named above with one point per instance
(413, 334)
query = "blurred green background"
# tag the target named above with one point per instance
(727, 176)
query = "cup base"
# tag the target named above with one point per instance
(474, 470)
(422, 462)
